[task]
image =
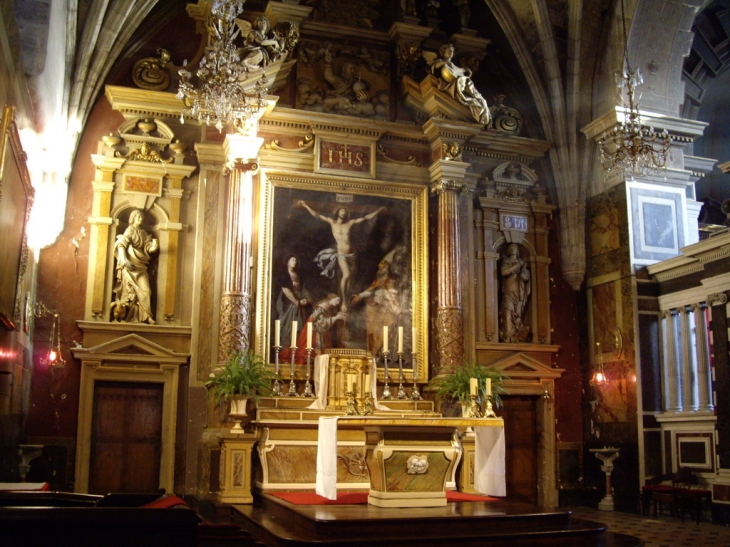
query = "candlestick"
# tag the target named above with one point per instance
(385, 338)
(277, 332)
(386, 388)
(294, 333)
(401, 390)
(308, 384)
(400, 339)
(415, 394)
(292, 386)
(309, 335)
(277, 385)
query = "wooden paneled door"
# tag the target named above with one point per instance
(126, 437)
(520, 434)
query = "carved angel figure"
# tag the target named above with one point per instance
(263, 46)
(457, 82)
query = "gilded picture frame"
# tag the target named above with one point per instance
(385, 234)
(16, 201)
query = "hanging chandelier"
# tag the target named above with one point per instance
(599, 377)
(53, 358)
(221, 97)
(632, 148)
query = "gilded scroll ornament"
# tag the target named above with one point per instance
(383, 153)
(149, 73)
(505, 118)
(144, 153)
(457, 82)
(304, 145)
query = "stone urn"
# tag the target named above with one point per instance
(238, 412)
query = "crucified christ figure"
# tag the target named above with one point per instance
(343, 254)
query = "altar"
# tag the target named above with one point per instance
(411, 460)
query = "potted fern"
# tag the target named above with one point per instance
(454, 385)
(243, 376)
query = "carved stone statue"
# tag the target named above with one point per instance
(134, 250)
(457, 82)
(515, 293)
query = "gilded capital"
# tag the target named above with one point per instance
(443, 185)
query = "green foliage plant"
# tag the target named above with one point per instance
(243, 373)
(454, 385)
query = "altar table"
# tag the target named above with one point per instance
(411, 459)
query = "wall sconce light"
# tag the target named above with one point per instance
(53, 358)
(599, 375)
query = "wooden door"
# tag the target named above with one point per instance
(520, 433)
(126, 437)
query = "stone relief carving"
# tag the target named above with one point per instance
(457, 82)
(344, 80)
(351, 13)
(515, 293)
(505, 118)
(263, 45)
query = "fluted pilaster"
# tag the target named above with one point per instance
(672, 372)
(689, 364)
(704, 373)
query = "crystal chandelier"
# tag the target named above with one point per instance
(632, 148)
(221, 97)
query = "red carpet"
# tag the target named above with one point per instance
(354, 498)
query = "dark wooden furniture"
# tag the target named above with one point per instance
(278, 523)
(35, 519)
(689, 496)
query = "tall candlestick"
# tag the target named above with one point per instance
(489, 387)
(309, 335)
(294, 334)
(400, 339)
(277, 332)
(385, 338)
(473, 386)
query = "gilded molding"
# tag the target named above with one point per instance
(443, 185)
(304, 145)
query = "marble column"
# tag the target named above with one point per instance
(689, 365)
(236, 310)
(704, 372)
(450, 313)
(672, 401)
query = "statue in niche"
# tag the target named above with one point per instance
(134, 250)
(263, 46)
(457, 82)
(515, 293)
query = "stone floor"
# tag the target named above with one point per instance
(663, 531)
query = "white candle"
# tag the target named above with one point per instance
(294, 334)
(367, 383)
(473, 386)
(349, 382)
(413, 340)
(400, 339)
(277, 332)
(385, 338)
(489, 386)
(309, 335)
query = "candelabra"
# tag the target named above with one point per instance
(367, 405)
(276, 391)
(386, 389)
(307, 384)
(352, 409)
(489, 411)
(401, 390)
(292, 387)
(415, 394)
(474, 410)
